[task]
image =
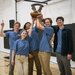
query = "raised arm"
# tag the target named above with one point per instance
(39, 23)
(32, 24)
(2, 34)
(30, 31)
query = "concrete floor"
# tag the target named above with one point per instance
(4, 66)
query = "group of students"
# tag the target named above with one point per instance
(32, 44)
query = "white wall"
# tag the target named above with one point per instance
(61, 8)
(65, 8)
(73, 10)
(23, 12)
(0, 14)
(7, 12)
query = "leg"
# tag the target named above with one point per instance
(19, 66)
(30, 66)
(25, 66)
(45, 59)
(60, 64)
(11, 67)
(37, 63)
(67, 66)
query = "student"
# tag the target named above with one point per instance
(20, 53)
(63, 46)
(45, 46)
(13, 36)
(34, 49)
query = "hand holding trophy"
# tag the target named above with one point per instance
(35, 12)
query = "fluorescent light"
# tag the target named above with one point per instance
(39, 0)
(34, 0)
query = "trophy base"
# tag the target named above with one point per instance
(35, 14)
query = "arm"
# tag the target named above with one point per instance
(52, 39)
(13, 57)
(2, 34)
(14, 50)
(39, 23)
(30, 31)
(30, 56)
(70, 42)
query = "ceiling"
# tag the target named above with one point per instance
(37, 1)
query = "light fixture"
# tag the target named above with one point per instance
(38, 1)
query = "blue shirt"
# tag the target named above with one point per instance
(45, 40)
(21, 47)
(34, 44)
(13, 36)
(59, 34)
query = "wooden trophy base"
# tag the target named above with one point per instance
(35, 14)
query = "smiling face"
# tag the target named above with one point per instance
(24, 34)
(48, 22)
(16, 26)
(27, 25)
(60, 21)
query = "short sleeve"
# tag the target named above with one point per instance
(7, 34)
(15, 46)
(48, 30)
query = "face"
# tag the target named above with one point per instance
(47, 22)
(16, 27)
(60, 23)
(24, 34)
(28, 26)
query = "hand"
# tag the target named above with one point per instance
(2, 24)
(33, 20)
(40, 16)
(69, 56)
(13, 62)
(30, 56)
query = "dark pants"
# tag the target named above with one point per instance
(63, 64)
(11, 67)
(37, 64)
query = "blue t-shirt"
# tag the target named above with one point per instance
(45, 40)
(59, 34)
(21, 47)
(34, 44)
(13, 36)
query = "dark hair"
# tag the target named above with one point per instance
(17, 23)
(49, 20)
(23, 30)
(24, 27)
(60, 17)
